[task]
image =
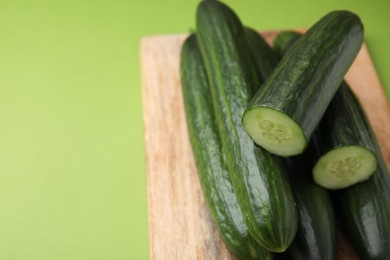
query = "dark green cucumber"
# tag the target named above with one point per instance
(364, 207)
(207, 150)
(264, 56)
(346, 150)
(259, 178)
(316, 238)
(284, 40)
(288, 107)
(364, 210)
(345, 144)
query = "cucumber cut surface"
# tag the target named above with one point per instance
(344, 166)
(275, 131)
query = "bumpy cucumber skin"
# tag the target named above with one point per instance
(264, 56)
(308, 76)
(259, 178)
(316, 235)
(207, 150)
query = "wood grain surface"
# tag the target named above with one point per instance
(180, 226)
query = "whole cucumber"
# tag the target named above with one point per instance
(210, 163)
(259, 178)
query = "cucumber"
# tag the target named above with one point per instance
(345, 144)
(316, 236)
(364, 210)
(284, 40)
(345, 147)
(264, 56)
(259, 178)
(207, 150)
(288, 107)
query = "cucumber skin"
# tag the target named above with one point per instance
(316, 235)
(308, 76)
(264, 56)
(206, 145)
(259, 178)
(284, 40)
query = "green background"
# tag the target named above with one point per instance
(72, 163)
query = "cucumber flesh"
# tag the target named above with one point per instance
(344, 166)
(275, 131)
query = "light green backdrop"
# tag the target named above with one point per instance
(72, 166)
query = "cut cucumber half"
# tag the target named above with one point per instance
(305, 81)
(274, 131)
(344, 166)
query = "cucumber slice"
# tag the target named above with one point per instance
(275, 131)
(344, 166)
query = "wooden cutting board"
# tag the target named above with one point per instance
(180, 226)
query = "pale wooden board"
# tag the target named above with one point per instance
(180, 226)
